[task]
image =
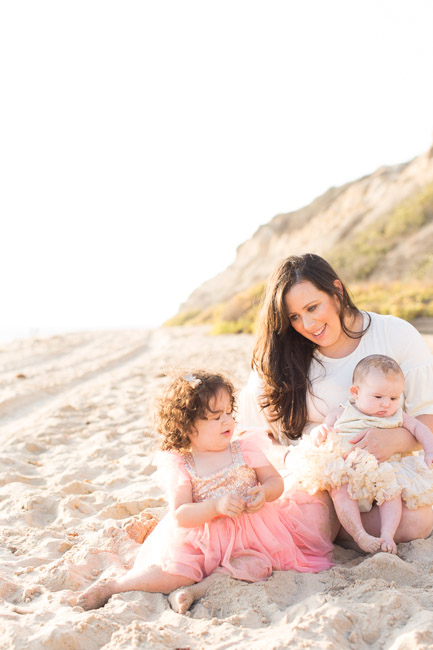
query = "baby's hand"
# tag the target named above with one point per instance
(230, 505)
(257, 500)
(320, 433)
(428, 459)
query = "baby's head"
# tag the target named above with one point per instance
(378, 383)
(189, 400)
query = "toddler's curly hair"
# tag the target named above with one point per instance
(185, 400)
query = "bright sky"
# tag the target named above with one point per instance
(141, 142)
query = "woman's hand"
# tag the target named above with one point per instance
(383, 443)
(230, 505)
(258, 499)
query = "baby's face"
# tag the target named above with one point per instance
(378, 394)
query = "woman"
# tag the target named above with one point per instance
(310, 337)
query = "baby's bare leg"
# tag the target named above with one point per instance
(390, 515)
(152, 579)
(414, 524)
(182, 599)
(350, 518)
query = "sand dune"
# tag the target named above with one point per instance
(77, 443)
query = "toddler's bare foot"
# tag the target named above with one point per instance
(97, 594)
(181, 599)
(367, 542)
(388, 545)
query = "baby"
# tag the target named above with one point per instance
(327, 460)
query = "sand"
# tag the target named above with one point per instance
(76, 465)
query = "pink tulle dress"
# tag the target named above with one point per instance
(278, 536)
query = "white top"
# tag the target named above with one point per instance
(331, 378)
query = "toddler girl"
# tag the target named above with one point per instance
(327, 460)
(222, 494)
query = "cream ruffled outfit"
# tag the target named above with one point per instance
(323, 467)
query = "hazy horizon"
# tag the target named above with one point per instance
(143, 143)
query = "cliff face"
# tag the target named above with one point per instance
(331, 223)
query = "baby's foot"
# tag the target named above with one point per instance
(181, 599)
(97, 594)
(367, 542)
(388, 545)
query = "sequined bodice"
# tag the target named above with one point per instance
(236, 478)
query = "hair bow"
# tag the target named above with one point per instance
(191, 379)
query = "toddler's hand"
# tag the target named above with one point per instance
(320, 433)
(257, 500)
(230, 505)
(428, 459)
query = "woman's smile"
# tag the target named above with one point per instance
(319, 332)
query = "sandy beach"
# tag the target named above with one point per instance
(77, 444)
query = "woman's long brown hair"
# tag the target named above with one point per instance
(281, 355)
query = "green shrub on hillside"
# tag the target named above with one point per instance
(240, 326)
(359, 256)
(355, 260)
(183, 318)
(408, 301)
(235, 315)
(424, 267)
(412, 214)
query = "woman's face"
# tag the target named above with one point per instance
(315, 315)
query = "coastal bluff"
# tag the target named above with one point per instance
(370, 229)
